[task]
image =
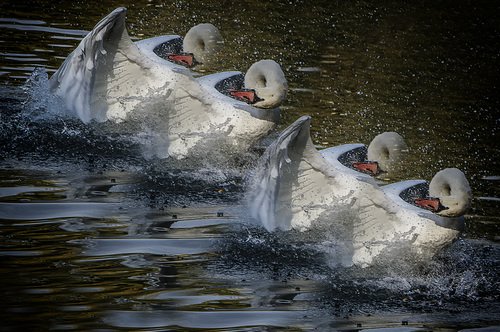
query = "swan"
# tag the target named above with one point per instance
(427, 216)
(239, 108)
(295, 183)
(108, 75)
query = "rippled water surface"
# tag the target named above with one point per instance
(94, 235)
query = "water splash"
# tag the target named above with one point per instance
(39, 126)
(40, 104)
(461, 274)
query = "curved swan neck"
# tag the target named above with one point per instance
(453, 190)
(204, 41)
(387, 149)
(269, 83)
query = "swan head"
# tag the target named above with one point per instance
(265, 85)
(200, 45)
(384, 153)
(450, 194)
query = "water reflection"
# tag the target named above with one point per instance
(203, 320)
(104, 247)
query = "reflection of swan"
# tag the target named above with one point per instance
(239, 108)
(298, 183)
(295, 185)
(107, 75)
(403, 212)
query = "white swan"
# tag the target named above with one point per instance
(403, 213)
(238, 108)
(295, 183)
(108, 75)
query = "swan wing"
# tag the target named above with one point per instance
(291, 180)
(188, 119)
(191, 106)
(379, 225)
(95, 73)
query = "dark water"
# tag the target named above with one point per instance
(95, 236)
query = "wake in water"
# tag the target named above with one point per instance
(462, 274)
(36, 132)
(38, 122)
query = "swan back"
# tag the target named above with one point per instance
(269, 83)
(387, 149)
(292, 183)
(204, 41)
(104, 68)
(453, 190)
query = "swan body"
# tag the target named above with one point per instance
(207, 108)
(107, 75)
(393, 216)
(295, 185)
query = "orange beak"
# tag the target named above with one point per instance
(247, 95)
(183, 59)
(368, 167)
(430, 203)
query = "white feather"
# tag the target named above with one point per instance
(386, 219)
(107, 76)
(388, 149)
(97, 79)
(201, 112)
(293, 183)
